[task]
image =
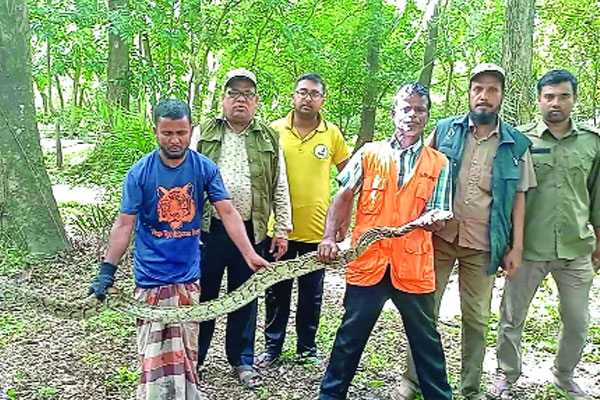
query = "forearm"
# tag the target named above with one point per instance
(339, 212)
(518, 220)
(118, 241)
(282, 208)
(597, 233)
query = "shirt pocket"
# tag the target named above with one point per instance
(371, 198)
(485, 179)
(416, 242)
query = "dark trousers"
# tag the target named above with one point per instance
(278, 298)
(218, 253)
(363, 305)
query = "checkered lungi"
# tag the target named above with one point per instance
(168, 352)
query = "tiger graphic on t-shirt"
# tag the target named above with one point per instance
(176, 205)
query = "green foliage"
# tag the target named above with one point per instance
(128, 138)
(125, 378)
(111, 322)
(11, 328)
(13, 258)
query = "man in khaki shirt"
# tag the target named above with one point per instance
(477, 144)
(566, 158)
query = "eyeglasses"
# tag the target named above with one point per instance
(314, 95)
(235, 94)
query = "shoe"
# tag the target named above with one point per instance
(500, 389)
(570, 390)
(247, 376)
(406, 391)
(265, 360)
(308, 358)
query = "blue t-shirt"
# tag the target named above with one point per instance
(168, 203)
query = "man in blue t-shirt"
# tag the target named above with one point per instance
(163, 199)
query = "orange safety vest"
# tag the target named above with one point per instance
(383, 203)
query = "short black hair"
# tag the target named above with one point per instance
(415, 88)
(555, 77)
(313, 77)
(172, 109)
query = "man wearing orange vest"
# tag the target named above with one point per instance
(398, 180)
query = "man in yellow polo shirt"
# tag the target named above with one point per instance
(310, 145)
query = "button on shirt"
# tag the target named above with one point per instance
(473, 199)
(308, 162)
(233, 164)
(405, 159)
(235, 171)
(567, 197)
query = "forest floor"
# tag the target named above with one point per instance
(46, 358)
(43, 357)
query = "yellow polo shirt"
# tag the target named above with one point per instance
(308, 162)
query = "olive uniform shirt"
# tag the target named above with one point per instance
(567, 197)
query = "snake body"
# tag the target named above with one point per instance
(248, 291)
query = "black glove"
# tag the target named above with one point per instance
(105, 279)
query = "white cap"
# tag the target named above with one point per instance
(242, 73)
(488, 68)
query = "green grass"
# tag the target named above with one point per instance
(11, 328)
(14, 258)
(112, 323)
(126, 379)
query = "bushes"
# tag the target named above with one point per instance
(123, 138)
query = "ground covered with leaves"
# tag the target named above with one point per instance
(48, 358)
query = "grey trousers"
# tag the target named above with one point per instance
(574, 280)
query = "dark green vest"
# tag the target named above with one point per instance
(262, 145)
(450, 139)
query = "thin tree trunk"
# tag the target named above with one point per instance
(517, 60)
(76, 78)
(43, 95)
(61, 98)
(449, 86)
(369, 104)
(118, 61)
(29, 215)
(430, 49)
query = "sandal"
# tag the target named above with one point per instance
(499, 390)
(247, 376)
(265, 360)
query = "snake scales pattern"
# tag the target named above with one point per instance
(251, 289)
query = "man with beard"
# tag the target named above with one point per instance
(310, 145)
(163, 202)
(490, 161)
(566, 157)
(398, 179)
(250, 159)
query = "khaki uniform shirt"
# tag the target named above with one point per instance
(473, 199)
(567, 197)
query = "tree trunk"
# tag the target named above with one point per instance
(29, 216)
(517, 60)
(73, 119)
(118, 61)
(44, 96)
(369, 104)
(61, 98)
(430, 49)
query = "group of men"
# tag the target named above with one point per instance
(254, 193)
